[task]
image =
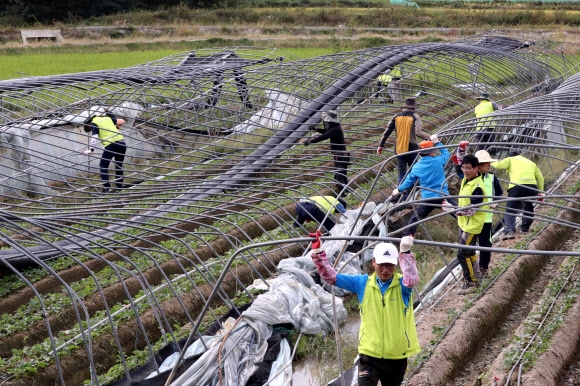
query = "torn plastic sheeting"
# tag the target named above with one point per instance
(234, 360)
(281, 374)
(304, 305)
(276, 114)
(288, 301)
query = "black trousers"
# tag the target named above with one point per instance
(424, 210)
(467, 258)
(390, 372)
(528, 193)
(341, 163)
(115, 150)
(309, 211)
(484, 240)
(484, 136)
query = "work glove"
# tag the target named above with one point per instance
(395, 192)
(379, 150)
(466, 212)
(409, 268)
(316, 244)
(306, 143)
(541, 199)
(323, 266)
(463, 145)
(434, 138)
(87, 152)
(446, 206)
(312, 128)
(406, 243)
(456, 159)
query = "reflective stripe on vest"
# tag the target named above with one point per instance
(108, 132)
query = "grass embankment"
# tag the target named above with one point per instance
(121, 40)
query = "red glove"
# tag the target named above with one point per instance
(463, 145)
(541, 199)
(379, 150)
(455, 159)
(316, 244)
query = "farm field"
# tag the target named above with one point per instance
(145, 260)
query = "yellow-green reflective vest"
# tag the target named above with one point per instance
(521, 171)
(325, 203)
(488, 184)
(485, 107)
(387, 328)
(471, 224)
(108, 132)
(385, 78)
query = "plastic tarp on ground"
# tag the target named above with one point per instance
(233, 354)
(279, 110)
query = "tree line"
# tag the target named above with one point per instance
(46, 12)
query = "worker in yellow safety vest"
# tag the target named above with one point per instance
(485, 125)
(105, 129)
(387, 81)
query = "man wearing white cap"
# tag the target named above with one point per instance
(387, 335)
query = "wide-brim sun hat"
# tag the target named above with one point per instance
(330, 116)
(386, 253)
(410, 103)
(483, 156)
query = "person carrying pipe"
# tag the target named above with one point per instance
(407, 126)
(430, 173)
(319, 209)
(485, 126)
(387, 334)
(105, 129)
(333, 130)
(526, 181)
(470, 220)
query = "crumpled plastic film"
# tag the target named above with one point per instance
(284, 378)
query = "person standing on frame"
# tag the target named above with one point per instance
(105, 129)
(333, 130)
(407, 126)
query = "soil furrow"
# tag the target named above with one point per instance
(482, 321)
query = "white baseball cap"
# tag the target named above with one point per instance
(386, 253)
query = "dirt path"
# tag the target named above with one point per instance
(474, 349)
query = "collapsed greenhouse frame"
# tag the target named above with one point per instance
(214, 170)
